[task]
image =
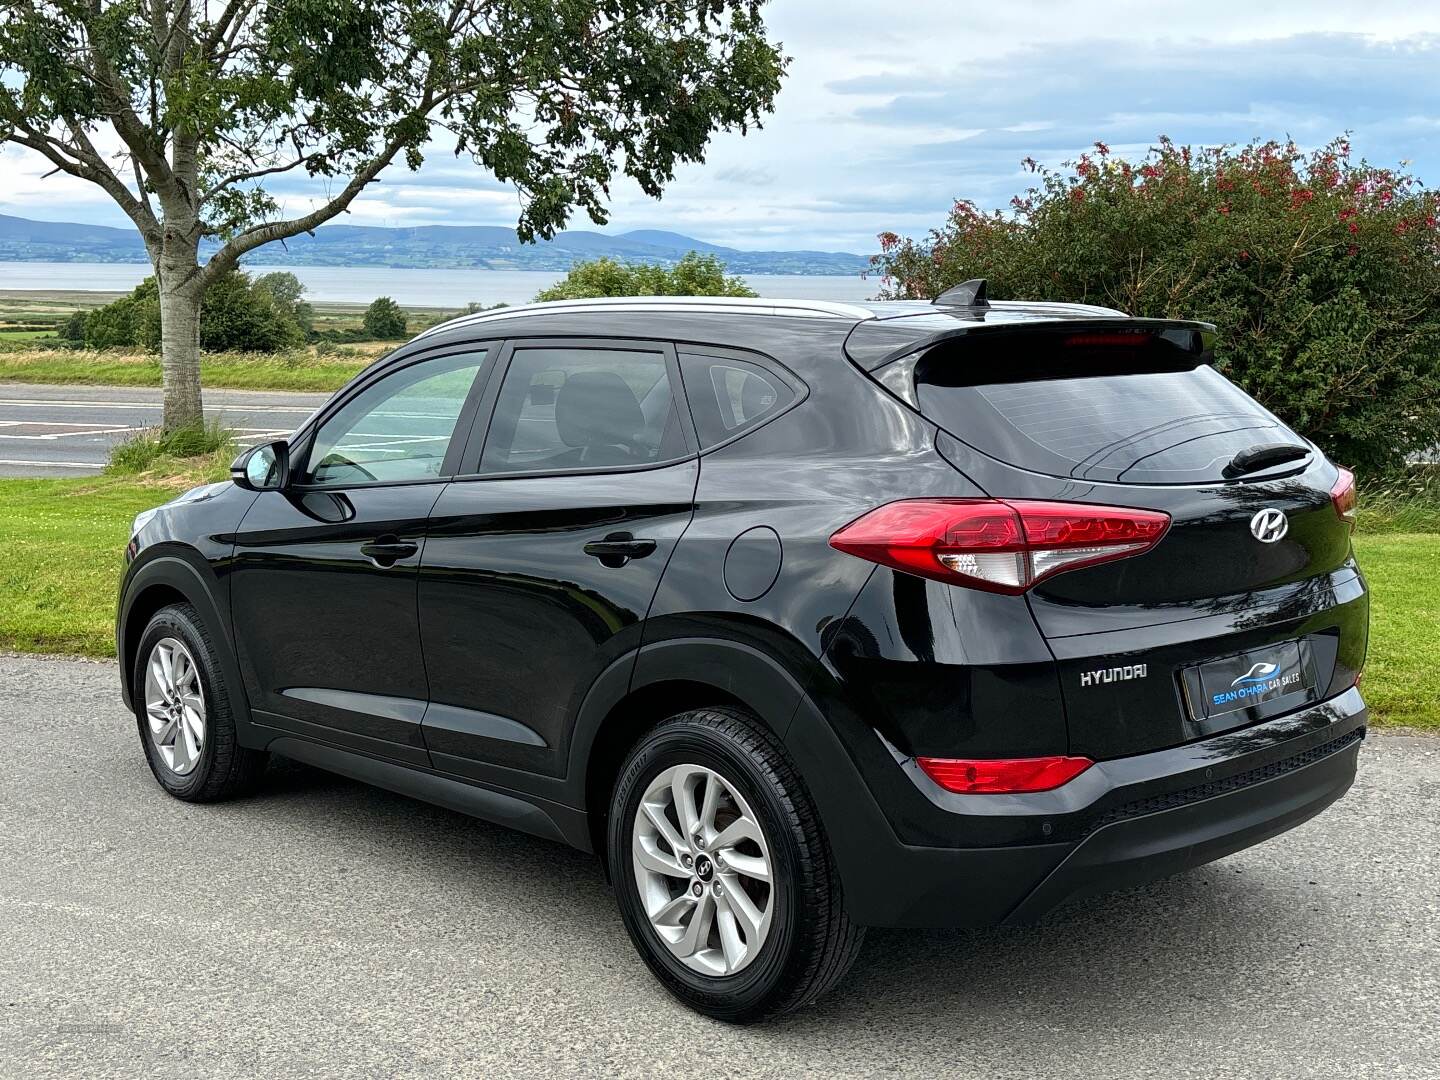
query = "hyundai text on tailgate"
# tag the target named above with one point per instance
(804, 617)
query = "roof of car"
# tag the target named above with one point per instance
(919, 314)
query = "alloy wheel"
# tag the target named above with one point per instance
(703, 869)
(175, 705)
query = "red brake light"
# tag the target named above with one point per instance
(1342, 494)
(991, 776)
(998, 545)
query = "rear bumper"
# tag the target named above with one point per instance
(1142, 846)
(1121, 823)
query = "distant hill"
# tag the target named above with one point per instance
(487, 246)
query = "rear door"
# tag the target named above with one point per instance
(1249, 607)
(541, 563)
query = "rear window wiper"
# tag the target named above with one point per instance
(1254, 458)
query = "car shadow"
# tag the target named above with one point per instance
(1144, 952)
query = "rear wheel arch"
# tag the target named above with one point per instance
(669, 678)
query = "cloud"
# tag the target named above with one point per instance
(890, 113)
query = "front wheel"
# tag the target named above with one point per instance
(182, 706)
(724, 877)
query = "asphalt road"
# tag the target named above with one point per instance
(69, 430)
(323, 928)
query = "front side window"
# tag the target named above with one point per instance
(396, 429)
(568, 407)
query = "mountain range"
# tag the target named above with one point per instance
(489, 247)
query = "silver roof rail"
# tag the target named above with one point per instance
(815, 309)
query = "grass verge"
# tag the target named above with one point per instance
(304, 370)
(66, 538)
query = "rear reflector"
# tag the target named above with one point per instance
(998, 545)
(997, 776)
(1342, 494)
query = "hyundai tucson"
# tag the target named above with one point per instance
(805, 617)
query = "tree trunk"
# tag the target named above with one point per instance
(180, 357)
(177, 273)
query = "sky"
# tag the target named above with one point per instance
(891, 111)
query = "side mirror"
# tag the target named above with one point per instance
(263, 468)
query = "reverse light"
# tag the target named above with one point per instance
(1342, 494)
(1003, 546)
(1002, 776)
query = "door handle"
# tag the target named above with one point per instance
(388, 550)
(619, 548)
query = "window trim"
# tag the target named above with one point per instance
(304, 440)
(798, 386)
(469, 465)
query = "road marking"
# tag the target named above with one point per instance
(54, 464)
(52, 436)
(26, 403)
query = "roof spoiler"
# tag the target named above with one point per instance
(969, 294)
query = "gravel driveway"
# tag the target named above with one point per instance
(324, 929)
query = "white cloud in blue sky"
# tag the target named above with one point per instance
(893, 111)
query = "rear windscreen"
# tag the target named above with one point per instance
(1142, 413)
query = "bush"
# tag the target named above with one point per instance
(693, 275)
(1321, 272)
(238, 315)
(384, 320)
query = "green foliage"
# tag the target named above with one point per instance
(693, 275)
(237, 316)
(384, 320)
(1321, 272)
(286, 292)
(553, 98)
(73, 328)
(151, 449)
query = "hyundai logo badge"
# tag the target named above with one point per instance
(1269, 525)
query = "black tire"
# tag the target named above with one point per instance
(811, 941)
(224, 769)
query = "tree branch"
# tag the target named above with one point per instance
(226, 258)
(84, 162)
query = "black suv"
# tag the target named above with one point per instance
(806, 617)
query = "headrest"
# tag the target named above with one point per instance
(597, 408)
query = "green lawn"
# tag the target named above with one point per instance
(65, 540)
(303, 371)
(1402, 680)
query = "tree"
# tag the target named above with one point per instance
(384, 320)
(693, 275)
(1322, 272)
(182, 111)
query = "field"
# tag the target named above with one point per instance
(66, 537)
(29, 322)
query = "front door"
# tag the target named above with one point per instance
(539, 570)
(324, 574)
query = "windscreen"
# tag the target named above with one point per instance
(1124, 407)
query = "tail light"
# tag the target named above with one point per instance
(1003, 546)
(1342, 494)
(994, 776)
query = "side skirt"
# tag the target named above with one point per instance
(538, 817)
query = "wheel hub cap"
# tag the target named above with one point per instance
(711, 908)
(175, 705)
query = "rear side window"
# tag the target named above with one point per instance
(583, 408)
(1094, 407)
(729, 396)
